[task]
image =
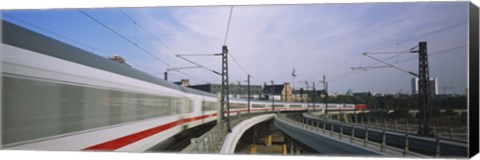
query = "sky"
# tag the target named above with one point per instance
(269, 41)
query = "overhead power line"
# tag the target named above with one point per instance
(178, 68)
(174, 51)
(255, 78)
(184, 74)
(105, 53)
(396, 43)
(334, 67)
(195, 78)
(392, 44)
(58, 34)
(347, 74)
(150, 33)
(391, 65)
(228, 26)
(423, 35)
(393, 52)
(199, 65)
(241, 67)
(225, 42)
(436, 53)
(123, 37)
(373, 66)
(152, 72)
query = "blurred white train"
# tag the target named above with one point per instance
(58, 97)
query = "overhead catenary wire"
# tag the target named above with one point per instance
(241, 67)
(199, 55)
(409, 39)
(228, 25)
(378, 62)
(172, 50)
(388, 64)
(342, 74)
(346, 62)
(423, 35)
(201, 66)
(144, 67)
(123, 37)
(95, 49)
(351, 73)
(225, 42)
(335, 67)
(392, 52)
(357, 70)
(103, 52)
(153, 72)
(436, 53)
(181, 56)
(192, 77)
(58, 34)
(395, 43)
(197, 64)
(255, 78)
(150, 33)
(410, 59)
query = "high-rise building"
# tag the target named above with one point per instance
(433, 84)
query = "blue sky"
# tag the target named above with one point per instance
(271, 40)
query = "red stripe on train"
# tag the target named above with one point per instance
(132, 138)
(129, 139)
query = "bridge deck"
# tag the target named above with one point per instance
(375, 138)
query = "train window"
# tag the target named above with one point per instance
(238, 105)
(278, 105)
(349, 106)
(209, 106)
(188, 107)
(66, 108)
(332, 106)
(258, 105)
(296, 106)
(176, 103)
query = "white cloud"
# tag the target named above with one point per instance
(270, 40)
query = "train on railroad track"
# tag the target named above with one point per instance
(59, 97)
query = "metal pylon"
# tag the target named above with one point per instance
(225, 92)
(424, 89)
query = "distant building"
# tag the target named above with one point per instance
(308, 95)
(119, 59)
(280, 92)
(349, 92)
(300, 95)
(183, 82)
(433, 84)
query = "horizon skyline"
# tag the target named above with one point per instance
(273, 40)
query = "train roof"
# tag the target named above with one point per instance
(23, 38)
